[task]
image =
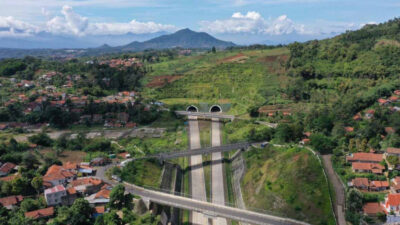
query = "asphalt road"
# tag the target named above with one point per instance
(198, 184)
(217, 175)
(339, 190)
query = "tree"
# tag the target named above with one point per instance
(37, 183)
(354, 200)
(321, 143)
(29, 204)
(80, 212)
(213, 50)
(41, 139)
(117, 197)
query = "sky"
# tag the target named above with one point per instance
(240, 21)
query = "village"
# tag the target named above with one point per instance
(62, 185)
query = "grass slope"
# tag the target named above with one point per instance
(287, 181)
(219, 78)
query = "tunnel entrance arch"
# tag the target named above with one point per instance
(192, 108)
(215, 109)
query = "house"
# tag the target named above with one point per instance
(101, 197)
(349, 129)
(99, 161)
(394, 98)
(11, 201)
(391, 207)
(359, 183)
(72, 195)
(56, 175)
(40, 213)
(3, 126)
(87, 185)
(124, 155)
(364, 157)
(382, 101)
(55, 195)
(390, 130)
(98, 210)
(357, 117)
(367, 167)
(369, 114)
(377, 185)
(396, 92)
(305, 141)
(7, 168)
(372, 208)
(393, 151)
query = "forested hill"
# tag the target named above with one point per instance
(371, 52)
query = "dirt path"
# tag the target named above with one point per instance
(339, 190)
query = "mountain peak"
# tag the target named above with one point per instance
(184, 38)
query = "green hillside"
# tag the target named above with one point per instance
(241, 78)
(289, 182)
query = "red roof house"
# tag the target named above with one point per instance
(40, 213)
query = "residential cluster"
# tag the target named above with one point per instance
(62, 185)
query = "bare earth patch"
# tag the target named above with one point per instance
(160, 81)
(66, 156)
(239, 58)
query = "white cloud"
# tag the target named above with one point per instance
(9, 26)
(71, 23)
(253, 22)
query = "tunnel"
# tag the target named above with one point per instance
(192, 108)
(215, 109)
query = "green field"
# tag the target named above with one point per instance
(216, 78)
(288, 182)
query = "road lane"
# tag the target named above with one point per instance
(198, 188)
(217, 176)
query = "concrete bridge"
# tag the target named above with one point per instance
(200, 151)
(205, 115)
(207, 208)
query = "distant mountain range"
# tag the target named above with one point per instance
(185, 38)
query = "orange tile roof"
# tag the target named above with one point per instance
(358, 182)
(392, 150)
(86, 181)
(8, 178)
(367, 166)
(393, 200)
(389, 130)
(363, 156)
(7, 167)
(349, 129)
(70, 166)
(71, 191)
(56, 172)
(378, 184)
(372, 208)
(104, 193)
(40, 213)
(11, 200)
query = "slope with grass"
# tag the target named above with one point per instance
(241, 78)
(289, 182)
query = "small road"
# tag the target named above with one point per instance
(198, 184)
(217, 175)
(339, 190)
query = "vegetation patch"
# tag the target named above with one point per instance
(289, 182)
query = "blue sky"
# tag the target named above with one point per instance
(257, 20)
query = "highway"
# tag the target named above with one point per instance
(217, 172)
(198, 184)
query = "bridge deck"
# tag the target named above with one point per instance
(205, 115)
(209, 208)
